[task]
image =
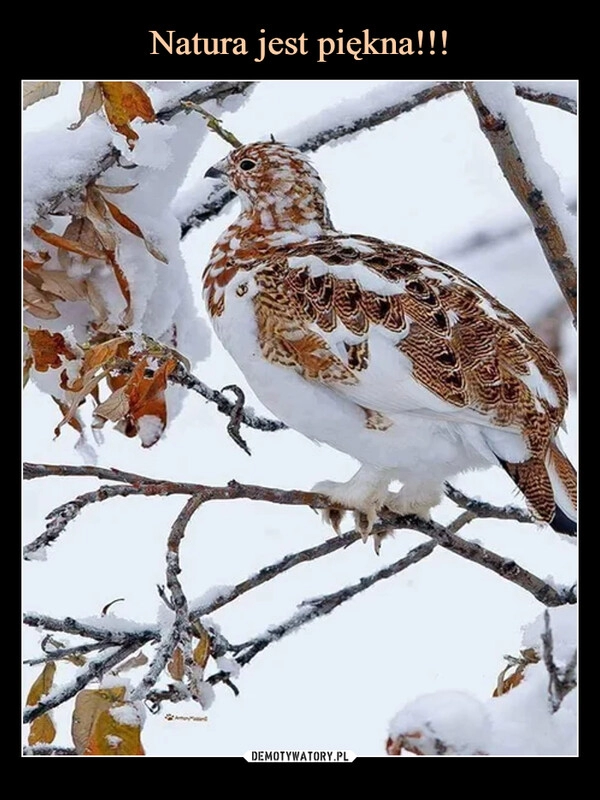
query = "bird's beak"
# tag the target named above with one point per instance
(217, 171)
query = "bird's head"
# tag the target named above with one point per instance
(275, 178)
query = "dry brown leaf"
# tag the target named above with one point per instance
(47, 349)
(35, 260)
(115, 189)
(112, 409)
(73, 420)
(127, 316)
(36, 302)
(110, 737)
(80, 229)
(67, 244)
(27, 364)
(90, 102)
(98, 214)
(131, 226)
(132, 663)
(63, 286)
(88, 705)
(125, 101)
(504, 684)
(38, 90)
(175, 666)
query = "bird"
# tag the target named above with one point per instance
(380, 351)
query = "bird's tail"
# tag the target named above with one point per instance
(550, 488)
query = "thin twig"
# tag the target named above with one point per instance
(560, 681)
(320, 606)
(66, 652)
(498, 132)
(93, 670)
(233, 428)
(182, 377)
(486, 510)
(546, 98)
(213, 123)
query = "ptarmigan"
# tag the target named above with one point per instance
(380, 351)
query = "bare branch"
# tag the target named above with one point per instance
(182, 377)
(498, 132)
(233, 428)
(481, 509)
(218, 197)
(92, 671)
(179, 633)
(546, 98)
(472, 551)
(107, 636)
(320, 606)
(561, 681)
(213, 124)
(65, 652)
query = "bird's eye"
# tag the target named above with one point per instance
(246, 164)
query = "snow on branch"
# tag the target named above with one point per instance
(561, 681)
(348, 118)
(533, 182)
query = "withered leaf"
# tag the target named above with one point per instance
(35, 260)
(88, 705)
(42, 684)
(62, 285)
(38, 90)
(202, 649)
(41, 730)
(112, 737)
(132, 663)
(81, 230)
(37, 303)
(89, 103)
(114, 408)
(125, 101)
(97, 213)
(175, 666)
(73, 420)
(67, 244)
(127, 223)
(115, 189)
(47, 349)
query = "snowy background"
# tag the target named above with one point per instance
(429, 180)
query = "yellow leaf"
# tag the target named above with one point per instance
(113, 408)
(42, 685)
(38, 90)
(42, 731)
(89, 703)
(113, 735)
(125, 101)
(202, 649)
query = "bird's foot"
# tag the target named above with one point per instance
(363, 500)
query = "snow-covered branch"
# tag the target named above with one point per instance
(533, 182)
(561, 681)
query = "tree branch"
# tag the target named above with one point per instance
(320, 606)
(561, 681)
(218, 90)
(546, 98)
(500, 134)
(92, 671)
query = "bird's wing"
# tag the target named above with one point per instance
(396, 331)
